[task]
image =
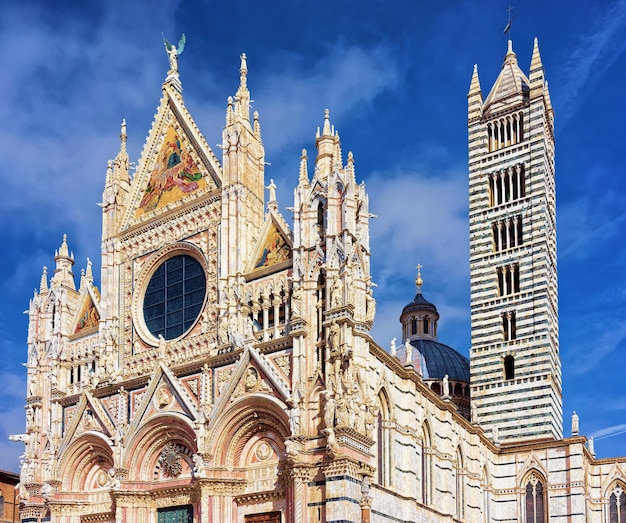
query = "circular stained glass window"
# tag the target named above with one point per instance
(174, 297)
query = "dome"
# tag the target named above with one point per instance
(441, 360)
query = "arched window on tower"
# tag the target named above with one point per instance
(535, 502)
(413, 326)
(509, 328)
(426, 325)
(1, 506)
(617, 505)
(509, 367)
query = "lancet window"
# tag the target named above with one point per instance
(535, 503)
(509, 367)
(460, 494)
(509, 328)
(426, 466)
(505, 131)
(508, 279)
(617, 505)
(507, 185)
(507, 233)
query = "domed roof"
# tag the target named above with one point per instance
(419, 303)
(441, 360)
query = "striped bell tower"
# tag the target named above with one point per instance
(514, 362)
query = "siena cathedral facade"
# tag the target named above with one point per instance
(225, 370)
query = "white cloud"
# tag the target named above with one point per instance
(586, 64)
(345, 79)
(420, 220)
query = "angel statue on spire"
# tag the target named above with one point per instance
(173, 51)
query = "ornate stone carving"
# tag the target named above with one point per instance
(170, 461)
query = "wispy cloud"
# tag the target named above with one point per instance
(596, 52)
(607, 432)
(591, 355)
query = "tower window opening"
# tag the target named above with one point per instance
(617, 506)
(507, 185)
(507, 233)
(505, 132)
(509, 367)
(426, 325)
(508, 280)
(414, 326)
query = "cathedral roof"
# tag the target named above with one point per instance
(510, 84)
(441, 360)
(419, 303)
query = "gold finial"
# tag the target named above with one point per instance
(418, 281)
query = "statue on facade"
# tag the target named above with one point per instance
(173, 51)
(329, 410)
(294, 420)
(370, 305)
(272, 189)
(574, 424)
(409, 351)
(393, 348)
(446, 386)
(296, 301)
(336, 295)
(331, 441)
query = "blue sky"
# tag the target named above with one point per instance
(394, 75)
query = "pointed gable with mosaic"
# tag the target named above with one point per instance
(176, 167)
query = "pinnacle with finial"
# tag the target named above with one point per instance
(418, 281)
(43, 285)
(123, 136)
(326, 130)
(304, 175)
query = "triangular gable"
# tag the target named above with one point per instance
(251, 374)
(176, 165)
(615, 474)
(532, 463)
(86, 320)
(87, 416)
(165, 393)
(273, 252)
(193, 385)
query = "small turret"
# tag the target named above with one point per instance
(63, 275)
(328, 149)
